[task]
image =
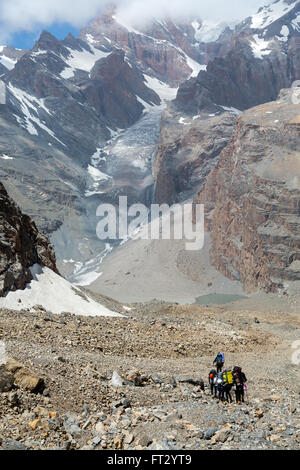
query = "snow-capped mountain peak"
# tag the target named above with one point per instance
(167, 50)
(271, 13)
(272, 28)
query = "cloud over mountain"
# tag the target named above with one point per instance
(27, 15)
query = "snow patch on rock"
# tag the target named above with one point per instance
(30, 107)
(82, 60)
(86, 273)
(7, 62)
(6, 157)
(55, 294)
(259, 47)
(267, 15)
(296, 23)
(232, 110)
(164, 91)
(285, 32)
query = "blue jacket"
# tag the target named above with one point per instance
(216, 359)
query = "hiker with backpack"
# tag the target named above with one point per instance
(239, 379)
(219, 361)
(220, 386)
(212, 382)
(228, 384)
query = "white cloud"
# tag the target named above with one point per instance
(212, 10)
(28, 15)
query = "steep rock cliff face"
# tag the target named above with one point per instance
(162, 49)
(21, 246)
(252, 198)
(170, 51)
(117, 91)
(188, 149)
(240, 79)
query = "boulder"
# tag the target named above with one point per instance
(13, 373)
(221, 436)
(27, 380)
(156, 379)
(164, 444)
(210, 432)
(128, 437)
(13, 366)
(6, 379)
(135, 377)
(144, 440)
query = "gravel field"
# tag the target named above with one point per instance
(162, 354)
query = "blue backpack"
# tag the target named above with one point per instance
(220, 358)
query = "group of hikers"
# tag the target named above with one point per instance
(223, 381)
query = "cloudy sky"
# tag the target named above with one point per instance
(22, 20)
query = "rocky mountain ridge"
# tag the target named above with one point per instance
(264, 57)
(252, 198)
(21, 246)
(9, 56)
(62, 105)
(167, 50)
